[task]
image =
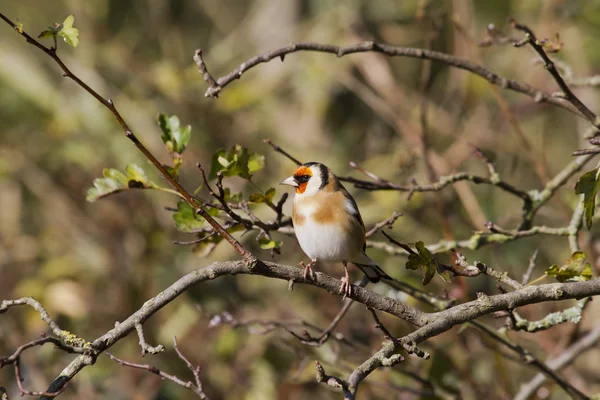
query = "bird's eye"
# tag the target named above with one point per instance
(302, 178)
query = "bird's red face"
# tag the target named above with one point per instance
(301, 176)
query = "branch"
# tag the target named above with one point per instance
(194, 387)
(430, 324)
(15, 360)
(146, 348)
(564, 359)
(571, 314)
(109, 104)
(549, 65)
(529, 358)
(539, 96)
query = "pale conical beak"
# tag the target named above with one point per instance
(289, 181)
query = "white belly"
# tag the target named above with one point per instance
(325, 242)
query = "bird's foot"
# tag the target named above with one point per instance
(309, 273)
(346, 288)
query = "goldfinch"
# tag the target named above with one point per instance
(328, 224)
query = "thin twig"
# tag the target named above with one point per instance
(281, 151)
(531, 39)
(529, 358)
(195, 370)
(188, 385)
(527, 390)
(530, 267)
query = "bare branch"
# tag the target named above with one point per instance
(531, 39)
(431, 324)
(281, 151)
(392, 51)
(528, 389)
(188, 385)
(529, 358)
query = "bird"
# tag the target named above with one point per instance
(328, 225)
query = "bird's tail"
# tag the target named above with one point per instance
(373, 272)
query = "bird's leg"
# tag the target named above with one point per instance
(346, 287)
(309, 273)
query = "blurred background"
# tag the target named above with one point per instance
(92, 264)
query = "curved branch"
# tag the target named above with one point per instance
(217, 85)
(430, 324)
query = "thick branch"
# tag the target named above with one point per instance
(431, 324)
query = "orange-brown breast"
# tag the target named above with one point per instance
(297, 218)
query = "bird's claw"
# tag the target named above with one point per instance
(309, 273)
(345, 288)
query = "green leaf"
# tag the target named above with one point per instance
(269, 194)
(267, 244)
(425, 259)
(256, 198)
(136, 173)
(174, 136)
(47, 33)
(574, 270)
(216, 166)
(237, 162)
(256, 162)
(588, 185)
(68, 33)
(444, 273)
(239, 165)
(262, 198)
(231, 198)
(114, 181)
(186, 219)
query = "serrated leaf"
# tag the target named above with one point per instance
(114, 181)
(269, 194)
(174, 136)
(136, 173)
(423, 259)
(186, 219)
(256, 198)
(68, 32)
(267, 244)
(116, 175)
(47, 33)
(445, 274)
(237, 162)
(588, 185)
(262, 198)
(256, 162)
(231, 198)
(574, 270)
(239, 165)
(224, 162)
